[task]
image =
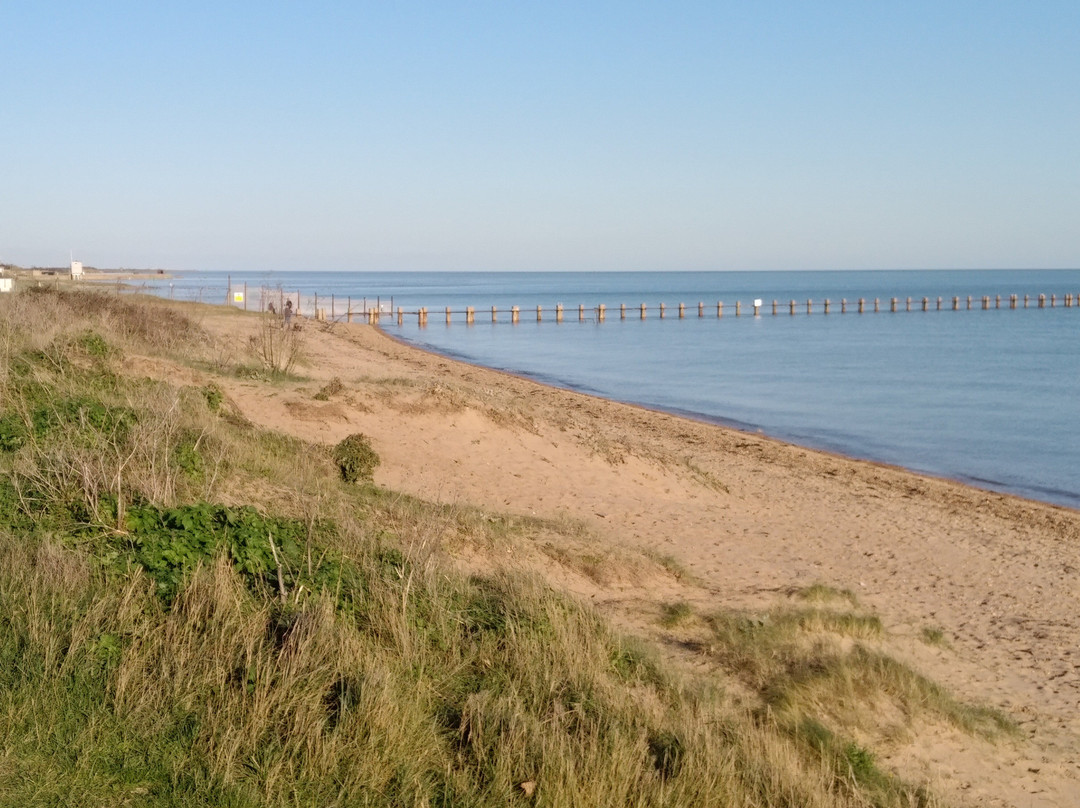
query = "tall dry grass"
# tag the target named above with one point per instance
(407, 703)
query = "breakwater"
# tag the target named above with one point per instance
(599, 313)
(374, 311)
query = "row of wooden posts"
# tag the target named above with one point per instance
(600, 312)
(373, 315)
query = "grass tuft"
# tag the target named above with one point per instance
(675, 613)
(934, 635)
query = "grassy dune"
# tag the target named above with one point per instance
(194, 611)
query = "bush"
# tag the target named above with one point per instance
(356, 459)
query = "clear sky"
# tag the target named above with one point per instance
(540, 135)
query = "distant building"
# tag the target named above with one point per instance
(76, 270)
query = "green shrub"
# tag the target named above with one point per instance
(214, 397)
(187, 457)
(356, 459)
(93, 344)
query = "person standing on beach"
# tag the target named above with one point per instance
(288, 313)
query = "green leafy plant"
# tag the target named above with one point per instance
(93, 344)
(269, 553)
(214, 397)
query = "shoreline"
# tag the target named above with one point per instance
(1030, 467)
(988, 486)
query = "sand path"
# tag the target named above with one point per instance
(750, 518)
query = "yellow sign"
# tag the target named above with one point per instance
(238, 297)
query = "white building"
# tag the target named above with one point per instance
(76, 269)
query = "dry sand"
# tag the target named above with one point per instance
(750, 518)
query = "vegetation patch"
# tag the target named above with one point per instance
(823, 593)
(271, 555)
(813, 667)
(332, 388)
(934, 635)
(675, 613)
(356, 458)
(214, 397)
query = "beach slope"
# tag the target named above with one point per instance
(977, 590)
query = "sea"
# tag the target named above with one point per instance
(990, 397)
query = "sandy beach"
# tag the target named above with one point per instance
(670, 509)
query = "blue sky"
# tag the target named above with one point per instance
(531, 136)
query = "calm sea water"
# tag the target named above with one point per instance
(987, 397)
